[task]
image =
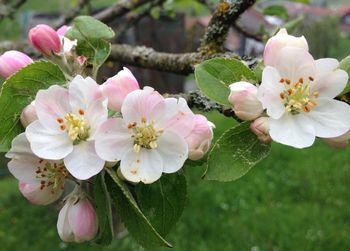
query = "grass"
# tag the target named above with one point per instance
(293, 200)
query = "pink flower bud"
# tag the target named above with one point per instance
(338, 142)
(261, 129)
(118, 87)
(28, 114)
(62, 30)
(39, 196)
(77, 220)
(200, 138)
(244, 100)
(45, 39)
(12, 61)
(278, 42)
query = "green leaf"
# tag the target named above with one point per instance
(92, 36)
(301, 1)
(292, 25)
(163, 201)
(18, 91)
(103, 211)
(345, 65)
(276, 10)
(135, 221)
(215, 75)
(234, 154)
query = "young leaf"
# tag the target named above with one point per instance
(18, 91)
(163, 201)
(276, 10)
(345, 65)
(234, 154)
(215, 75)
(135, 221)
(92, 36)
(103, 211)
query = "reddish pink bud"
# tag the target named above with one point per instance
(200, 138)
(38, 196)
(45, 39)
(28, 114)
(261, 129)
(118, 87)
(244, 100)
(12, 61)
(62, 30)
(77, 221)
(340, 141)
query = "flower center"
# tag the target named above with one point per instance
(51, 174)
(297, 97)
(145, 135)
(77, 127)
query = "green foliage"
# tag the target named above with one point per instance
(18, 91)
(301, 1)
(92, 36)
(135, 221)
(103, 211)
(234, 154)
(345, 65)
(163, 201)
(276, 10)
(215, 75)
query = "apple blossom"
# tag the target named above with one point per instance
(67, 122)
(28, 114)
(12, 61)
(298, 94)
(77, 221)
(41, 181)
(261, 128)
(45, 39)
(66, 42)
(149, 139)
(243, 98)
(278, 42)
(199, 140)
(340, 141)
(118, 87)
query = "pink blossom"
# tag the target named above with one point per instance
(261, 128)
(118, 87)
(45, 39)
(200, 138)
(77, 221)
(28, 114)
(12, 61)
(144, 140)
(37, 195)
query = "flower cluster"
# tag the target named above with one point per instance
(295, 102)
(72, 133)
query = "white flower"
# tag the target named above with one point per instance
(276, 43)
(41, 181)
(67, 122)
(298, 94)
(149, 139)
(244, 100)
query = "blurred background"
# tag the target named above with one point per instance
(293, 200)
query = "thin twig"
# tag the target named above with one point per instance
(9, 11)
(70, 15)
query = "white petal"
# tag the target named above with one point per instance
(24, 168)
(20, 147)
(52, 104)
(145, 103)
(269, 92)
(145, 166)
(295, 63)
(46, 143)
(292, 130)
(331, 118)
(329, 80)
(96, 114)
(63, 228)
(174, 151)
(113, 140)
(83, 162)
(83, 92)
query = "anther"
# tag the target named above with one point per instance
(288, 81)
(282, 80)
(60, 120)
(81, 112)
(282, 95)
(311, 78)
(63, 127)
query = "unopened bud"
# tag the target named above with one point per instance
(28, 114)
(12, 61)
(45, 39)
(338, 142)
(243, 98)
(261, 129)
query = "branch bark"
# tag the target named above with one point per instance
(226, 13)
(10, 10)
(70, 15)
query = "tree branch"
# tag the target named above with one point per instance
(70, 15)
(119, 9)
(226, 13)
(8, 11)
